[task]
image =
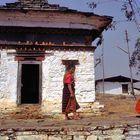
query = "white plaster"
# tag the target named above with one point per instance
(8, 76)
(52, 77)
(111, 87)
(53, 72)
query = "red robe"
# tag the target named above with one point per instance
(137, 107)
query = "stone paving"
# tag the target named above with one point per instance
(106, 127)
(118, 121)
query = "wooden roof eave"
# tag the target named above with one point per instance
(85, 20)
(61, 10)
(94, 33)
(43, 47)
(46, 30)
(117, 79)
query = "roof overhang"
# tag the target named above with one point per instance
(54, 18)
(117, 79)
(31, 46)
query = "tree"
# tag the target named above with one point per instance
(135, 58)
(129, 7)
(132, 14)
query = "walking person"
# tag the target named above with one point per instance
(69, 102)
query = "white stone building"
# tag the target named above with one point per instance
(114, 85)
(137, 88)
(37, 40)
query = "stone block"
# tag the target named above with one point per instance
(117, 137)
(92, 137)
(66, 137)
(133, 138)
(78, 133)
(132, 129)
(26, 133)
(104, 138)
(55, 137)
(79, 137)
(97, 133)
(134, 132)
(113, 132)
(113, 137)
(4, 138)
(33, 137)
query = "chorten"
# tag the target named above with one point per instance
(33, 3)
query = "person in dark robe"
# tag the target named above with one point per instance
(69, 102)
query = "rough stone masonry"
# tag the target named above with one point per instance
(118, 132)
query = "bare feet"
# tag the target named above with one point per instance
(67, 118)
(76, 117)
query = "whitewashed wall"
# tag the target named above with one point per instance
(8, 76)
(53, 71)
(111, 87)
(52, 77)
(137, 91)
(8, 81)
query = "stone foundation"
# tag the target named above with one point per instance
(122, 132)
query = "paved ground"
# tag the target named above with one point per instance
(92, 121)
(116, 119)
(119, 110)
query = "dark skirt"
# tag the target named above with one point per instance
(66, 98)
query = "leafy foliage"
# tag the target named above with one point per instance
(92, 5)
(131, 11)
(135, 58)
(129, 14)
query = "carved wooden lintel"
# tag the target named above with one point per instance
(70, 62)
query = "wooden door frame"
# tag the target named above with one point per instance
(20, 63)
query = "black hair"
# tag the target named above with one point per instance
(68, 67)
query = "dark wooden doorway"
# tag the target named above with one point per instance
(124, 88)
(29, 86)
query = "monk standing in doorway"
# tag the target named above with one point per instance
(69, 103)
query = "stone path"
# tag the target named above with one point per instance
(86, 121)
(108, 127)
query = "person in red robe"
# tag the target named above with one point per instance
(69, 102)
(137, 107)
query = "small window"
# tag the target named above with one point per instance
(124, 88)
(70, 62)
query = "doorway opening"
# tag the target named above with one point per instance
(124, 88)
(29, 85)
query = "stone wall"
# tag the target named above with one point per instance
(8, 75)
(121, 132)
(53, 71)
(52, 78)
(8, 82)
